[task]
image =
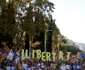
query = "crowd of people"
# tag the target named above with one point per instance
(12, 60)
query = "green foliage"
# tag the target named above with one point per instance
(16, 18)
(7, 22)
(70, 48)
(27, 21)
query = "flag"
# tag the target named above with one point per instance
(35, 44)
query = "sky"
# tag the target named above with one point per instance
(70, 18)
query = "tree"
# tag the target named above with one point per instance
(40, 10)
(7, 23)
(28, 26)
(16, 18)
(70, 48)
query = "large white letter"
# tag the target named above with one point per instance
(60, 55)
(33, 54)
(38, 53)
(23, 56)
(48, 55)
(54, 54)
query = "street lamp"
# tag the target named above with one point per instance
(46, 39)
(45, 44)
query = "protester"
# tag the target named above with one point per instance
(24, 65)
(78, 67)
(72, 66)
(62, 66)
(10, 55)
(13, 61)
(67, 66)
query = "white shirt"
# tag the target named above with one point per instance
(10, 55)
(8, 68)
(39, 69)
(24, 66)
(67, 66)
(33, 68)
(12, 68)
(63, 68)
(78, 67)
(29, 68)
(38, 64)
(74, 66)
(16, 60)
